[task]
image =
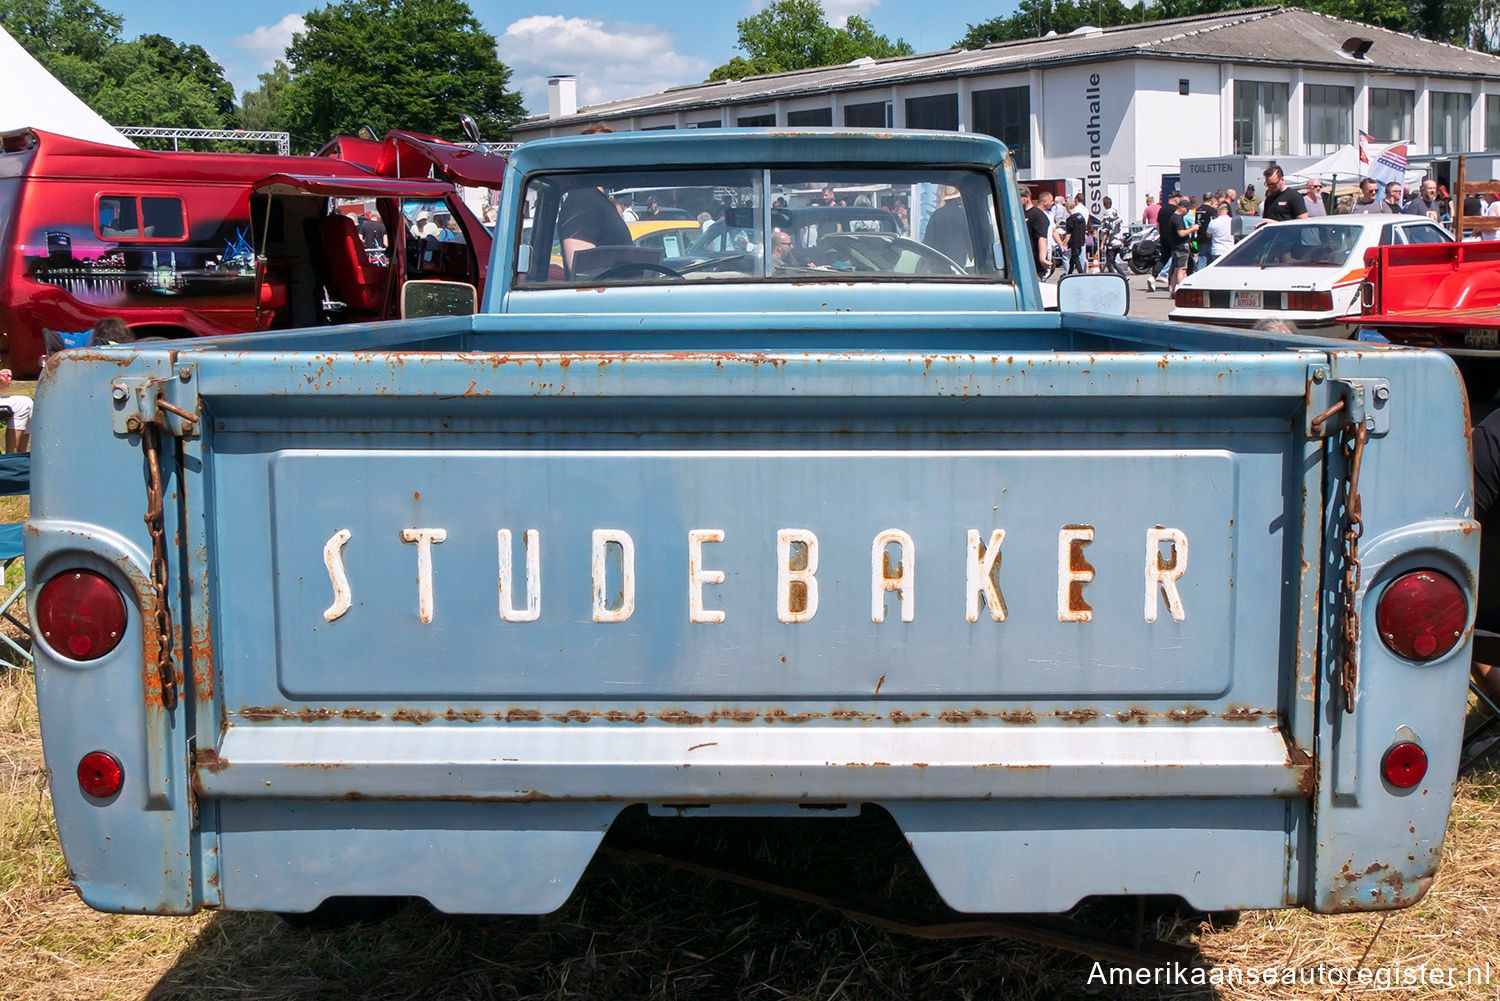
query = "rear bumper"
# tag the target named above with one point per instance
(734, 762)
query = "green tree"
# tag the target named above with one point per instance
(149, 81)
(409, 64)
(260, 109)
(795, 34)
(68, 37)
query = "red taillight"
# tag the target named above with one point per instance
(1309, 301)
(80, 614)
(1422, 615)
(100, 775)
(1190, 298)
(1404, 765)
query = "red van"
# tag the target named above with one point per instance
(191, 244)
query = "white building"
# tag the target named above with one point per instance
(1118, 108)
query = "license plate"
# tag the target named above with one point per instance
(1247, 300)
(1482, 338)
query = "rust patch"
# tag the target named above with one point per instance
(615, 716)
(467, 716)
(1135, 714)
(681, 717)
(898, 717)
(1188, 714)
(258, 714)
(1245, 714)
(879, 684)
(1021, 717)
(782, 716)
(368, 715)
(209, 761)
(953, 716)
(572, 716)
(417, 716)
(523, 716)
(1078, 715)
(711, 743)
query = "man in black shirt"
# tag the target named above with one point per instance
(589, 219)
(1077, 230)
(1282, 203)
(372, 232)
(1038, 226)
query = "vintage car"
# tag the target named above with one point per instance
(1305, 271)
(192, 244)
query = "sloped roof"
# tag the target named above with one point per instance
(1285, 36)
(34, 99)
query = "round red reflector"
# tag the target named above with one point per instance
(1405, 765)
(80, 614)
(100, 775)
(1422, 615)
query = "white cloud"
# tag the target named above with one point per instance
(838, 11)
(268, 43)
(610, 59)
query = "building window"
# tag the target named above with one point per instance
(715, 124)
(1260, 114)
(1448, 128)
(1327, 117)
(1492, 121)
(875, 115)
(1182, 87)
(937, 112)
(1006, 115)
(1390, 114)
(758, 121)
(810, 116)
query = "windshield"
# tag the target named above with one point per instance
(1295, 245)
(755, 224)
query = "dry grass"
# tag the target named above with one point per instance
(647, 932)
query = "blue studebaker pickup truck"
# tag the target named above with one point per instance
(778, 524)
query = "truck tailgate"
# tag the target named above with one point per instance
(732, 578)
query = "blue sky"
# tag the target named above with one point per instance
(615, 49)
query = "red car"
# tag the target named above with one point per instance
(192, 244)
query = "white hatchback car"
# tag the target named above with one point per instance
(1305, 271)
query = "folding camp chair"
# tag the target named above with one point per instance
(15, 480)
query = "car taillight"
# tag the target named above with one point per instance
(100, 775)
(1404, 765)
(80, 614)
(1190, 298)
(1422, 615)
(1309, 301)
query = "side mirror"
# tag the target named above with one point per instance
(435, 298)
(1105, 294)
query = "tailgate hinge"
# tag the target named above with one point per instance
(1336, 404)
(171, 403)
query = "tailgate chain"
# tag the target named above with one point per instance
(1352, 441)
(152, 444)
(166, 674)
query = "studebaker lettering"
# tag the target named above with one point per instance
(893, 567)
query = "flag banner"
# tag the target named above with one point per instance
(1390, 164)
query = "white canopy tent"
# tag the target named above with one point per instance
(34, 99)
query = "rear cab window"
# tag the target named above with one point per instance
(756, 224)
(140, 218)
